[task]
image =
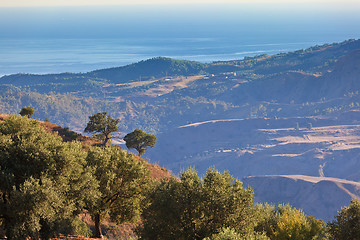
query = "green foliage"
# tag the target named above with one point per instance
(231, 234)
(43, 181)
(139, 140)
(225, 234)
(102, 124)
(123, 180)
(27, 111)
(346, 226)
(37, 210)
(287, 223)
(195, 208)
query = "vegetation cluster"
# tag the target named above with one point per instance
(46, 184)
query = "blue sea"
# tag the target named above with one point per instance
(82, 55)
(54, 40)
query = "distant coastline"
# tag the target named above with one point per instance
(40, 56)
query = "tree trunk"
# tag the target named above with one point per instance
(138, 150)
(98, 233)
(5, 217)
(107, 138)
(105, 141)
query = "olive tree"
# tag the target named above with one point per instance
(102, 125)
(44, 183)
(346, 226)
(285, 223)
(27, 111)
(139, 140)
(122, 179)
(196, 208)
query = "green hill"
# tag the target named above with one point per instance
(149, 69)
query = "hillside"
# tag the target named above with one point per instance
(263, 146)
(318, 196)
(252, 147)
(149, 69)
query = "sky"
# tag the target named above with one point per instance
(177, 18)
(37, 3)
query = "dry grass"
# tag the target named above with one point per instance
(171, 85)
(68, 136)
(339, 137)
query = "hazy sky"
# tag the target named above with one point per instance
(35, 3)
(183, 18)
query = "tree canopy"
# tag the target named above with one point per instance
(44, 183)
(27, 111)
(140, 141)
(103, 125)
(287, 223)
(195, 208)
(231, 234)
(123, 180)
(346, 225)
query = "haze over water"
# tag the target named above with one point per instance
(81, 39)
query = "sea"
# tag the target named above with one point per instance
(40, 56)
(55, 40)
